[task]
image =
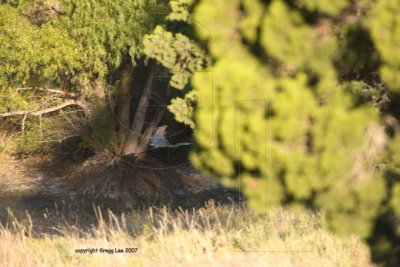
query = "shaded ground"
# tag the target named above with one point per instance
(52, 191)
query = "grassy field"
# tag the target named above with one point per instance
(210, 236)
(44, 230)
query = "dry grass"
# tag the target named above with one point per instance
(211, 236)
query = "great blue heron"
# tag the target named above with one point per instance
(158, 139)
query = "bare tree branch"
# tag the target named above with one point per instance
(63, 105)
(84, 107)
(50, 90)
(12, 114)
(23, 122)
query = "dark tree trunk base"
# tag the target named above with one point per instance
(124, 178)
(99, 178)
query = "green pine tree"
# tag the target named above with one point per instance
(294, 115)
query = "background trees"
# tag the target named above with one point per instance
(99, 75)
(97, 52)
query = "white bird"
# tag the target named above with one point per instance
(158, 139)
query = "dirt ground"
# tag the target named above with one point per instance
(54, 190)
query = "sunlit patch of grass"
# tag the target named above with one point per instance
(211, 236)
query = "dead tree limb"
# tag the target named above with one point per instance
(84, 107)
(50, 90)
(23, 122)
(12, 114)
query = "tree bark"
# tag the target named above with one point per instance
(123, 104)
(67, 103)
(140, 136)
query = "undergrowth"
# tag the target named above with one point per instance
(210, 236)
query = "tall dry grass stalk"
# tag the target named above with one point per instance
(211, 236)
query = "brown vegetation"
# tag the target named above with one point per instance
(211, 236)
